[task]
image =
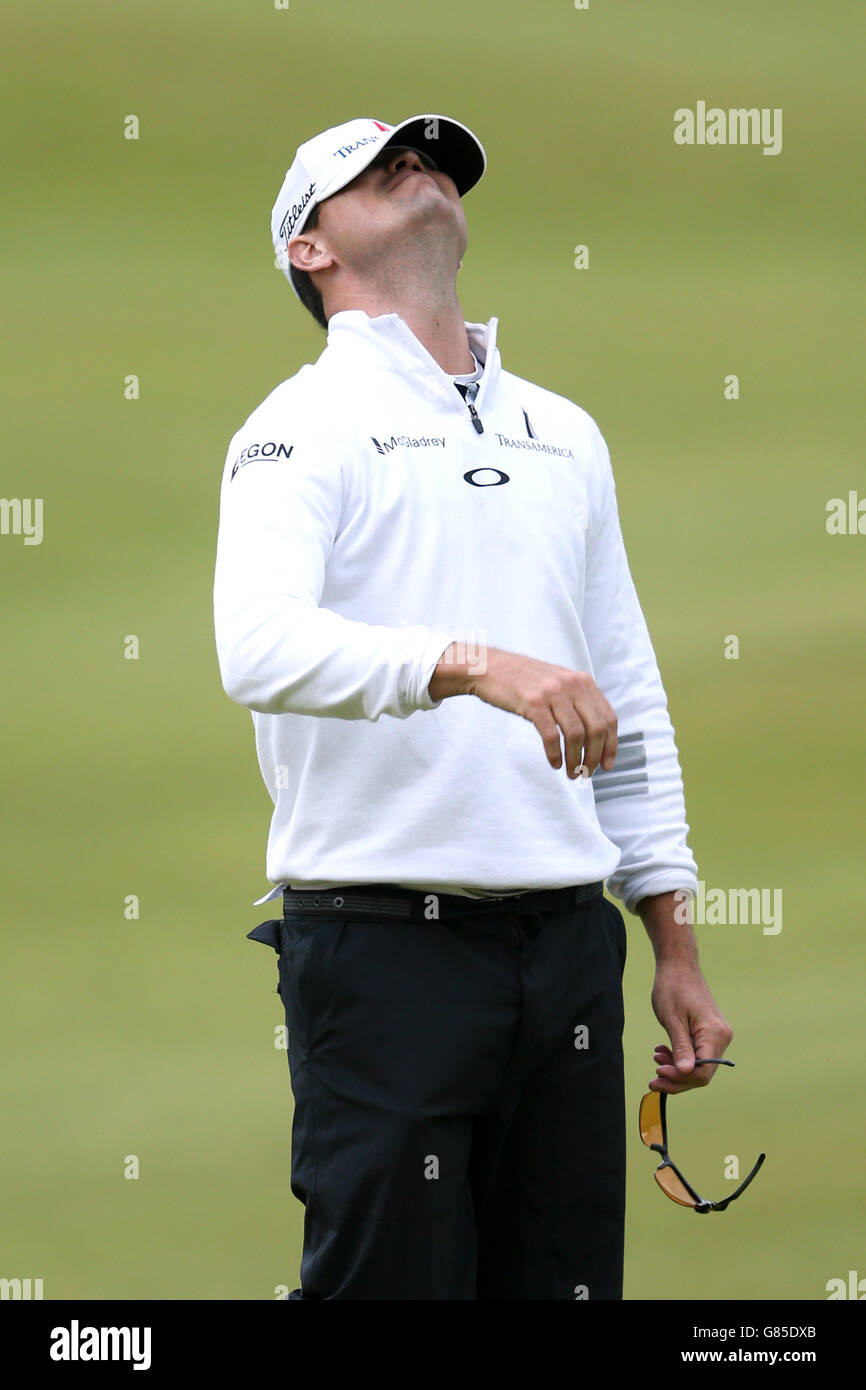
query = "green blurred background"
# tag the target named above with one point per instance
(155, 1036)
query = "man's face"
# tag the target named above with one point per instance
(400, 194)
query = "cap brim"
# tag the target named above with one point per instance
(452, 146)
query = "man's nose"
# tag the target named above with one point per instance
(405, 159)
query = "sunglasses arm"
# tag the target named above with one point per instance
(726, 1201)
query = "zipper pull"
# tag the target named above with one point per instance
(469, 392)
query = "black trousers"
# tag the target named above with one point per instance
(459, 1115)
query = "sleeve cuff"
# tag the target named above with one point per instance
(431, 654)
(667, 881)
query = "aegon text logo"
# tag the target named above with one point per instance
(272, 450)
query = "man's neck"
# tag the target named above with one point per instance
(438, 326)
(443, 334)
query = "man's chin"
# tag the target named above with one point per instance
(417, 179)
(429, 205)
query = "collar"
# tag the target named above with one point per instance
(389, 339)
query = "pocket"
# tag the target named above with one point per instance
(298, 937)
(619, 927)
(268, 933)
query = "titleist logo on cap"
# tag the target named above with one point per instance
(294, 213)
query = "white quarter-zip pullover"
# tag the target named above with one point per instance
(369, 516)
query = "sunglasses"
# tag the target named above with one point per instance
(654, 1133)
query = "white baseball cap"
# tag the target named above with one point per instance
(329, 161)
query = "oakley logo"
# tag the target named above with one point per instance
(486, 477)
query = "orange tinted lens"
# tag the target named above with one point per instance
(671, 1184)
(650, 1118)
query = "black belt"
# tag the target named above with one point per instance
(415, 905)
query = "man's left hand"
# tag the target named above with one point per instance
(683, 1004)
(681, 999)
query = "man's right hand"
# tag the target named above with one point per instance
(562, 704)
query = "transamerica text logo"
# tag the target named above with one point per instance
(535, 445)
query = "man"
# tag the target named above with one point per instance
(404, 523)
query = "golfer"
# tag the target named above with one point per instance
(423, 596)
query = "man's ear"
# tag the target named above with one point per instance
(307, 253)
